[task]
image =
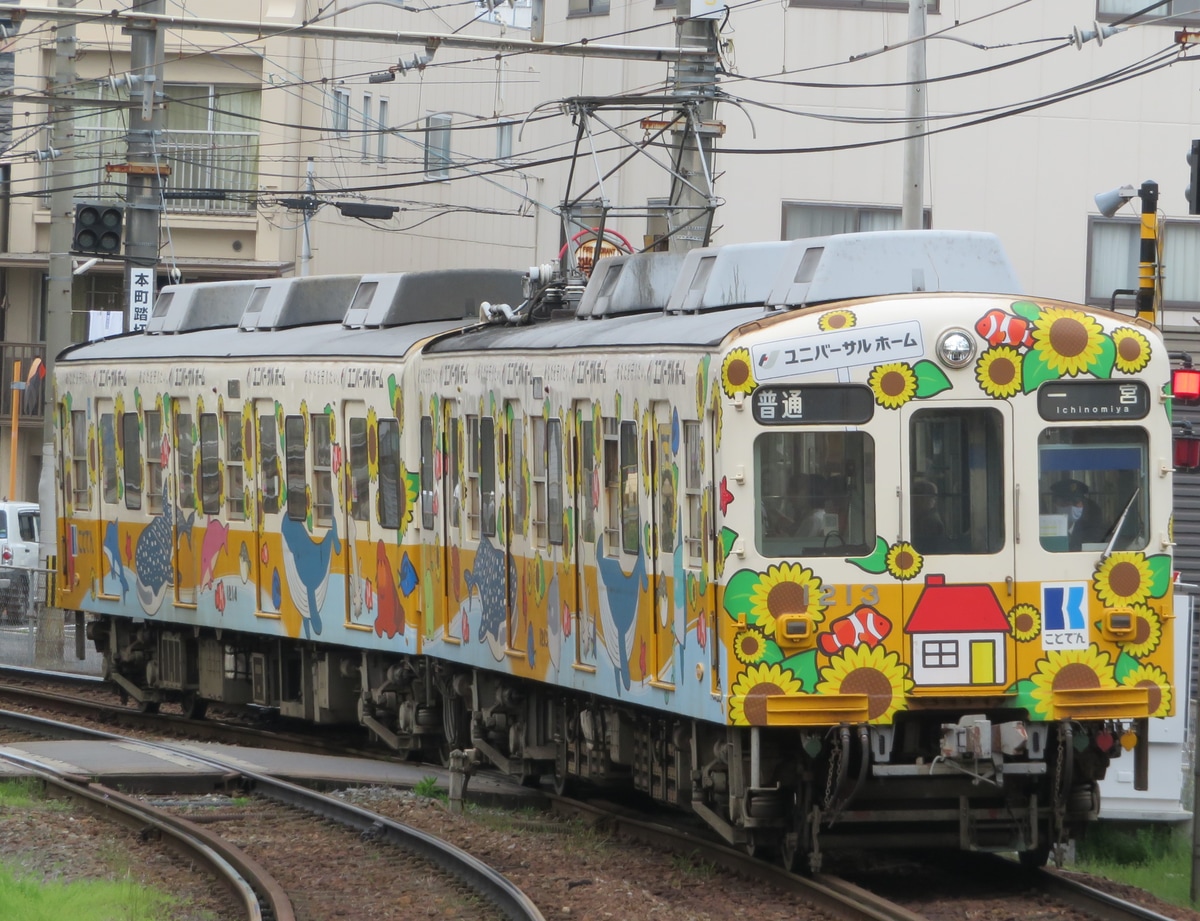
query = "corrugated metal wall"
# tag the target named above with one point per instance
(1187, 485)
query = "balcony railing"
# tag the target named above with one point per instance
(30, 400)
(220, 167)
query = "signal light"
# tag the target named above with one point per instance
(97, 229)
(1185, 385)
(1193, 190)
(1187, 451)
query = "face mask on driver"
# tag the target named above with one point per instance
(1076, 512)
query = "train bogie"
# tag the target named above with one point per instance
(782, 534)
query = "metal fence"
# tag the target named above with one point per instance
(35, 635)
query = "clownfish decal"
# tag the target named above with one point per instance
(1000, 328)
(862, 625)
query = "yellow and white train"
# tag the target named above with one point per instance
(830, 541)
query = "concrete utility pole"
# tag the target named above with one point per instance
(690, 216)
(49, 646)
(144, 172)
(913, 204)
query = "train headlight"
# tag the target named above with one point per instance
(1118, 624)
(795, 630)
(956, 348)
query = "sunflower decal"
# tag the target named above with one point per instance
(788, 588)
(893, 384)
(1069, 341)
(1147, 632)
(998, 371)
(1026, 622)
(737, 374)
(1123, 579)
(878, 674)
(837, 319)
(372, 445)
(903, 561)
(1154, 680)
(748, 696)
(750, 646)
(1133, 350)
(1070, 670)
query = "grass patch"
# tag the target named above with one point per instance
(26, 898)
(428, 788)
(22, 791)
(1156, 858)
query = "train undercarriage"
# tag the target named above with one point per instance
(937, 777)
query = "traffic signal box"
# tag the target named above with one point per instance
(97, 229)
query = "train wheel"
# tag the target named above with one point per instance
(792, 853)
(456, 726)
(193, 706)
(564, 783)
(1035, 858)
(762, 845)
(148, 706)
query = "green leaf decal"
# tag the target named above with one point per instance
(876, 562)
(1035, 371)
(391, 390)
(804, 667)
(1160, 574)
(1103, 365)
(771, 654)
(930, 379)
(1027, 310)
(737, 593)
(1125, 666)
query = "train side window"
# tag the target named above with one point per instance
(473, 490)
(517, 480)
(268, 454)
(427, 472)
(587, 467)
(537, 431)
(554, 480)
(154, 475)
(487, 476)
(693, 469)
(81, 487)
(293, 460)
(360, 472)
(1092, 484)
(210, 464)
(816, 493)
(235, 489)
(454, 465)
(612, 487)
(131, 447)
(108, 457)
(322, 458)
(185, 456)
(631, 512)
(392, 488)
(956, 494)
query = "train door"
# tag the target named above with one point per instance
(664, 531)
(356, 521)
(107, 509)
(515, 505)
(587, 499)
(184, 541)
(958, 519)
(268, 521)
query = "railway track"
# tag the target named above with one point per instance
(487, 893)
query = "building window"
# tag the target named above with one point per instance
(1171, 12)
(939, 654)
(804, 219)
(931, 6)
(368, 126)
(504, 141)
(1114, 251)
(587, 7)
(437, 146)
(341, 111)
(210, 464)
(131, 446)
(235, 498)
(381, 139)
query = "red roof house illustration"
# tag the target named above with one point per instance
(958, 635)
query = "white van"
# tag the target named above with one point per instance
(20, 531)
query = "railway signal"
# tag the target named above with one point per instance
(97, 229)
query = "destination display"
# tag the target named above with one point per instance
(849, 404)
(1063, 400)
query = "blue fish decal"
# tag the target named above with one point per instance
(408, 576)
(153, 558)
(276, 588)
(306, 563)
(619, 606)
(487, 577)
(112, 553)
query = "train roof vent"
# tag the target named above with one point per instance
(401, 298)
(185, 308)
(892, 262)
(630, 284)
(281, 303)
(736, 275)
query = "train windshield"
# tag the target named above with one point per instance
(816, 493)
(1092, 485)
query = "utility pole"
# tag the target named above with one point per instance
(49, 647)
(689, 217)
(143, 171)
(912, 201)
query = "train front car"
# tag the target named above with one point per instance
(945, 524)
